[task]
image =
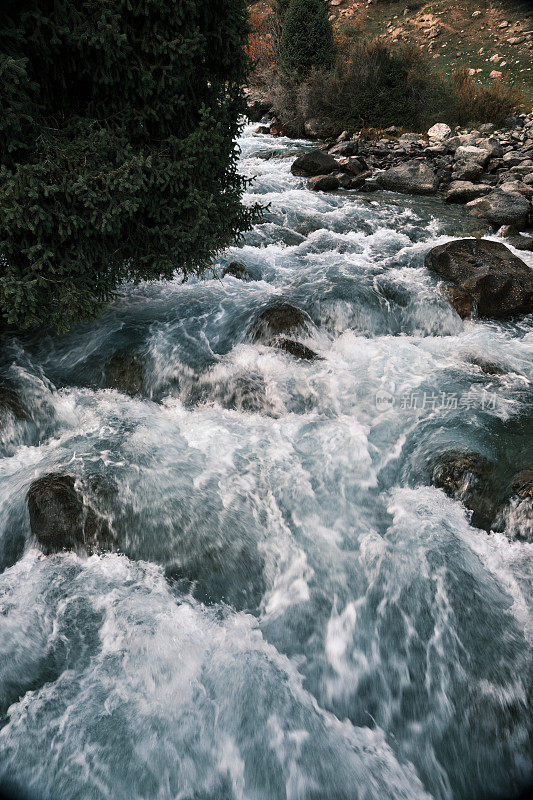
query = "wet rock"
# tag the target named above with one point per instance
(317, 162)
(498, 282)
(323, 183)
(488, 367)
(238, 270)
(10, 404)
(500, 208)
(264, 129)
(468, 477)
(277, 320)
(412, 177)
(460, 300)
(125, 372)
(515, 517)
(464, 191)
(296, 349)
(60, 520)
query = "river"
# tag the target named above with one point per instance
(292, 611)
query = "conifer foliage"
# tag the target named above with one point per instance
(117, 147)
(307, 38)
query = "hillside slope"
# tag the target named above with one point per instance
(486, 36)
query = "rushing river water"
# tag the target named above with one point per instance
(292, 611)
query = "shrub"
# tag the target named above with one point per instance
(117, 151)
(475, 103)
(307, 37)
(375, 86)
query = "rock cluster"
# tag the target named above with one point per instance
(491, 171)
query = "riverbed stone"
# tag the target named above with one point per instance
(500, 208)
(467, 171)
(316, 162)
(499, 283)
(476, 154)
(60, 520)
(413, 177)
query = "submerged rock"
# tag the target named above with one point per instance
(317, 162)
(276, 324)
(238, 270)
(515, 517)
(10, 404)
(468, 477)
(500, 208)
(499, 283)
(60, 520)
(297, 349)
(412, 177)
(125, 372)
(277, 320)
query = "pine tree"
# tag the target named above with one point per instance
(307, 39)
(117, 147)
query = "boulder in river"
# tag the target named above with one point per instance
(479, 155)
(316, 162)
(499, 283)
(467, 171)
(500, 208)
(324, 183)
(60, 520)
(278, 320)
(276, 324)
(412, 177)
(125, 372)
(464, 191)
(468, 477)
(238, 270)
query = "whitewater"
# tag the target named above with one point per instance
(291, 611)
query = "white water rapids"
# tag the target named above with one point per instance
(292, 611)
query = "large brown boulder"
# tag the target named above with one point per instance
(60, 520)
(316, 162)
(499, 283)
(412, 177)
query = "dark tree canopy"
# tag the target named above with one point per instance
(117, 147)
(307, 38)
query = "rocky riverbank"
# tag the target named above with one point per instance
(488, 170)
